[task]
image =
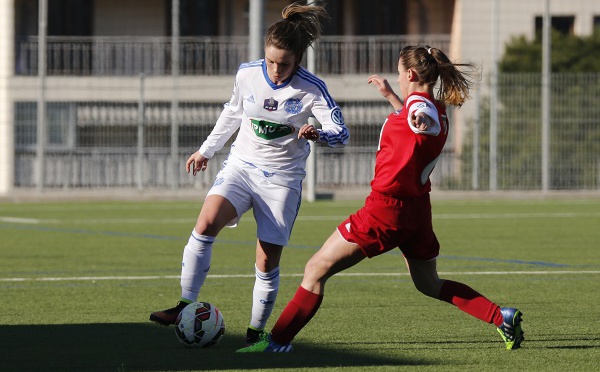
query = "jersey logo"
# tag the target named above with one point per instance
(269, 130)
(293, 106)
(336, 116)
(270, 104)
(250, 99)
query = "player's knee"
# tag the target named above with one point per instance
(315, 271)
(428, 288)
(205, 227)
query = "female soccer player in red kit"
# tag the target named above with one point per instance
(397, 213)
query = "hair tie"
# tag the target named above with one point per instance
(429, 50)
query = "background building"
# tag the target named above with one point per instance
(117, 114)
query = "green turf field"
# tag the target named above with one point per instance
(78, 281)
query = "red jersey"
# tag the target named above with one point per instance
(406, 157)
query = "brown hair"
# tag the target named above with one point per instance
(298, 29)
(456, 79)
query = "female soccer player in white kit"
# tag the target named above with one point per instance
(271, 103)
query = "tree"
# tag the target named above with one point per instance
(575, 115)
(569, 53)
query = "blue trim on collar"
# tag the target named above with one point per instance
(268, 80)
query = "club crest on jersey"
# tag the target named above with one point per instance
(293, 106)
(270, 104)
(336, 116)
(269, 130)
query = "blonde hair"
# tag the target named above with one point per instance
(456, 79)
(299, 28)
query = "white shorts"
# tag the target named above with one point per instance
(275, 206)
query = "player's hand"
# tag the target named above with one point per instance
(386, 91)
(421, 121)
(309, 132)
(381, 84)
(195, 163)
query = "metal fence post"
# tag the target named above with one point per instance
(41, 102)
(476, 124)
(140, 137)
(7, 120)
(311, 161)
(174, 99)
(546, 98)
(256, 29)
(494, 101)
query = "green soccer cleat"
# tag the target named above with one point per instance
(511, 330)
(266, 345)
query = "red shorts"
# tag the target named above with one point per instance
(385, 223)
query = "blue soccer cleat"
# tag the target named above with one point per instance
(511, 330)
(266, 345)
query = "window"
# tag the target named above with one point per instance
(562, 24)
(596, 25)
(196, 18)
(70, 18)
(380, 17)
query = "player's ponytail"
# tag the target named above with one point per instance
(299, 28)
(456, 79)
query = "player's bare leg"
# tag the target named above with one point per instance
(507, 320)
(215, 214)
(424, 276)
(336, 255)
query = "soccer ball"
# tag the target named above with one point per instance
(200, 324)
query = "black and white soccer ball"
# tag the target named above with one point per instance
(200, 324)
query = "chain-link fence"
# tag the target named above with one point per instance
(128, 143)
(108, 127)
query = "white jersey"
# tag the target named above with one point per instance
(269, 116)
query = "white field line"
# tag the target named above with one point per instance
(234, 276)
(27, 221)
(452, 216)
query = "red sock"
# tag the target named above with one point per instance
(471, 302)
(298, 312)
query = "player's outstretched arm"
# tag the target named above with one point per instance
(386, 91)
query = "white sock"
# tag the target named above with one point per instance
(195, 264)
(263, 297)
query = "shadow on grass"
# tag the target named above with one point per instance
(148, 347)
